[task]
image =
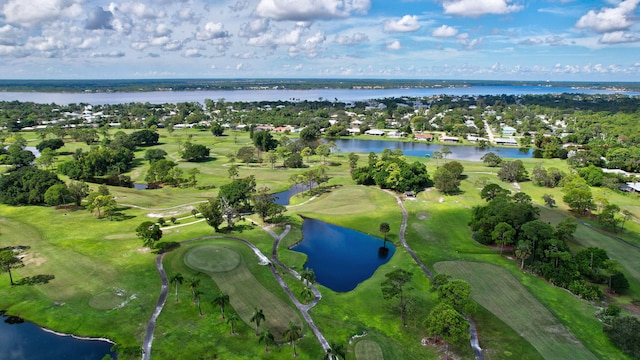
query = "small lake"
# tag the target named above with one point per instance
(21, 340)
(284, 197)
(341, 258)
(458, 152)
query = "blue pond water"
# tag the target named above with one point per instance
(27, 341)
(458, 152)
(283, 197)
(341, 258)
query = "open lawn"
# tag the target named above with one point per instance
(227, 268)
(499, 292)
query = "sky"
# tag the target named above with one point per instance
(555, 40)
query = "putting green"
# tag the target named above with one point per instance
(368, 350)
(212, 258)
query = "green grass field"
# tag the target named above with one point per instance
(106, 284)
(499, 292)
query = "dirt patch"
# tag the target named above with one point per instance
(30, 259)
(423, 215)
(172, 213)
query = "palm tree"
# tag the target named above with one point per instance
(336, 351)
(308, 275)
(177, 279)
(292, 334)
(307, 293)
(193, 282)
(258, 317)
(232, 320)
(196, 298)
(384, 229)
(523, 251)
(221, 300)
(267, 337)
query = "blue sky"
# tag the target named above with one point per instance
(419, 39)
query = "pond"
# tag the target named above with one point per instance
(283, 197)
(22, 340)
(341, 258)
(458, 152)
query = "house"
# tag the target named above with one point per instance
(631, 187)
(446, 138)
(424, 137)
(374, 132)
(353, 131)
(503, 141)
(508, 131)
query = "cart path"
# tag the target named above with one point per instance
(302, 308)
(473, 332)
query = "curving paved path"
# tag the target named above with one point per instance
(473, 332)
(302, 308)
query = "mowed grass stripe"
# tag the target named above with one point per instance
(368, 350)
(246, 293)
(499, 292)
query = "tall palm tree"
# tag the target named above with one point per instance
(196, 298)
(307, 293)
(232, 320)
(308, 275)
(193, 282)
(384, 229)
(221, 300)
(336, 351)
(292, 334)
(267, 338)
(177, 279)
(258, 317)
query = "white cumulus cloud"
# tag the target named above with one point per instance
(475, 8)
(395, 45)
(211, 31)
(445, 31)
(620, 17)
(408, 23)
(618, 37)
(304, 10)
(32, 12)
(355, 39)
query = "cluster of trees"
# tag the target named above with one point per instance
(541, 247)
(391, 171)
(26, 185)
(447, 177)
(98, 161)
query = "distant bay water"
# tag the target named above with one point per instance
(342, 95)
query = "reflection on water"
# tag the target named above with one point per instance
(341, 258)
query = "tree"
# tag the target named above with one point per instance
(503, 234)
(153, 155)
(512, 171)
(217, 129)
(264, 203)
(523, 251)
(232, 320)
(307, 293)
(384, 229)
(149, 232)
(293, 161)
(212, 212)
(56, 194)
(437, 155)
(291, 334)
(9, 260)
(197, 293)
(52, 144)
(394, 287)
(626, 215)
(194, 152)
(336, 351)
(308, 276)
(353, 161)
(577, 195)
(247, 154)
(445, 151)
(446, 322)
(102, 204)
(267, 338)
(221, 300)
(264, 141)
(257, 317)
(26, 186)
(445, 181)
(306, 152)
(455, 167)
(607, 216)
(177, 279)
(78, 190)
(624, 332)
(193, 283)
(549, 200)
(233, 171)
(490, 159)
(491, 191)
(323, 151)
(457, 294)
